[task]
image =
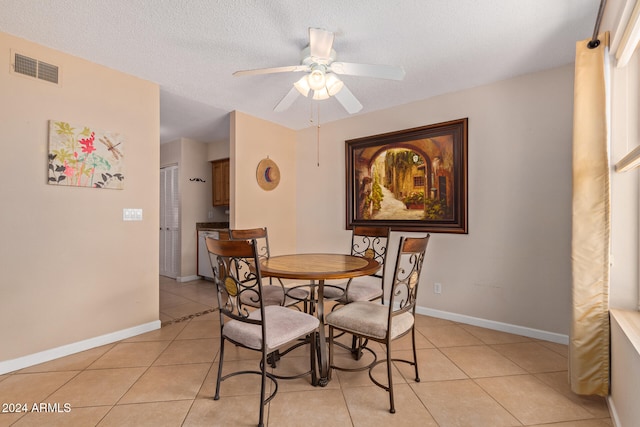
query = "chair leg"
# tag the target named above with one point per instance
(356, 347)
(312, 355)
(392, 407)
(273, 358)
(415, 355)
(330, 352)
(217, 395)
(263, 387)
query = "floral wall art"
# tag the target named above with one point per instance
(80, 156)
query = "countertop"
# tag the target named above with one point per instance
(210, 226)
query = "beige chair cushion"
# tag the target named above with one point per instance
(359, 290)
(273, 295)
(283, 325)
(369, 319)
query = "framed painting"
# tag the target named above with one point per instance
(81, 156)
(410, 180)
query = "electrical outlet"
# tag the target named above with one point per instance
(437, 288)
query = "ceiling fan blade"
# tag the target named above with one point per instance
(348, 100)
(287, 101)
(390, 72)
(272, 70)
(320, 42)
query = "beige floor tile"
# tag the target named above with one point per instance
(165, 333)
(462, 403)
(293, 366)
(532, 401)
(432, 366)
(422, 320)
(559, 381)
(9, 419)
(238, 411)
(33, 387)
(448, 336)
(239, 385)
(130, 354)
(97, 387)
(369, 407)
(185, 309)
(561, 349)
(152, 414)
(318, 407)
(189, 351)
(584, 423)
(533, 357)
(481, 361)
(89, 416)
(404, 343)
(73, 362)
(160, 383)
(234, 352)
(215, 316)
(204, 329)
(165, 318)
(361, 378)
(488, 336)
(169, 300)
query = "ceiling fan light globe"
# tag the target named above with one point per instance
(303, 86)
(334, 84)
(316, 79)
(320, 94)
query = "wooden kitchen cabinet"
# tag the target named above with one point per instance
(220, 185)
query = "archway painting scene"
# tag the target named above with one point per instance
(410, 180)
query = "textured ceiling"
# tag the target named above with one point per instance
(192, 47)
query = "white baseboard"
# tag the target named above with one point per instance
(613, 412)
(496, 326)
(187, 279)
(65, 350)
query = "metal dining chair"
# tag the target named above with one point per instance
(259, 327)
(275, 293)
(367, 242)
(371, 321)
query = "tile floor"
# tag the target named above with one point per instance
(470, 377)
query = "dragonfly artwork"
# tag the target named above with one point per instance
(75, 160)
(113, 149)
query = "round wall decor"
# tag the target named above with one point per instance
(267, 174)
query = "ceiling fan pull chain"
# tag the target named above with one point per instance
(318, 136)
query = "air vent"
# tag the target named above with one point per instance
(34, 68)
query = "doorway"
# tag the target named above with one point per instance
(169, 222)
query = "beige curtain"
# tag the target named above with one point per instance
(589, 343)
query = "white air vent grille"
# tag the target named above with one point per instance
(34, 68)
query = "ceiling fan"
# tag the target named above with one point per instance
(318, 62)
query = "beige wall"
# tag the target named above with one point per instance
(72, 270)
(195, 197)
(195, 201)
(252, 140)
(514, 265)
(218, 150)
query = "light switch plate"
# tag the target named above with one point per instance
(131, 214)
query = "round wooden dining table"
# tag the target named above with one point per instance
(316, 268)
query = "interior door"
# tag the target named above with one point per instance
(169, 222)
